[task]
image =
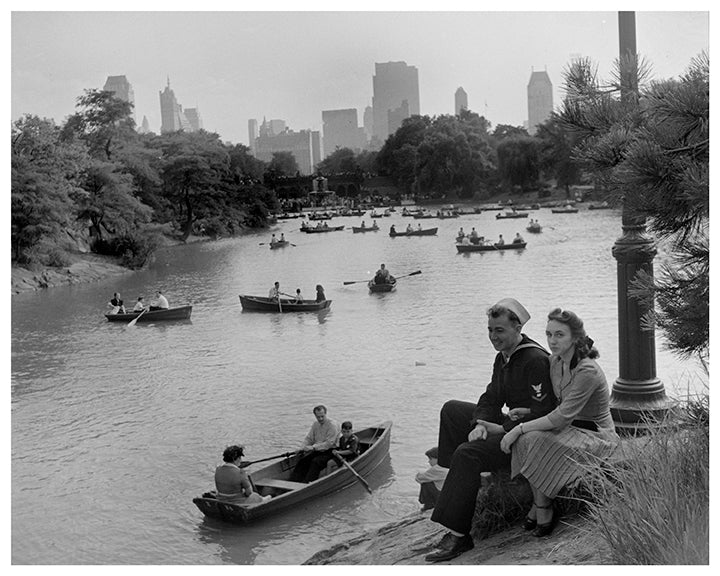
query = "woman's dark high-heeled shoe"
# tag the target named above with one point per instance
(546, 529)
(530, 523)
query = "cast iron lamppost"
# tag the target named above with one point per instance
(638, 395)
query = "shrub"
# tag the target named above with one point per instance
(654, 508)
(134, 248)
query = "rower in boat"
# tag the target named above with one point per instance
(317, 447)
(116, 304)
(408, 229)
(159, 302)
(518, 239)
(273, 240)
(501, 241)
(382, 276)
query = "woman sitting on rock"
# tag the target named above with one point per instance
(550, 450)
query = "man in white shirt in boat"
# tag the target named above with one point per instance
(317, 447)
(159, 302)
(274, 293)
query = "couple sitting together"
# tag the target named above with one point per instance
(558, 419)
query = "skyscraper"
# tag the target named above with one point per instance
(540, 100)
(393, 83)
(194, 118)
(121, 88)
(460, 100)
(172, 116)
(303, 145)
(341, 130)
(252, 134)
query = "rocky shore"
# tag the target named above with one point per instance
(85, 268)
(406, 542)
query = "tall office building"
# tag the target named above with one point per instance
(171, 113)
(393, 83)
(121, 88)
(252, 134)
(145, 126)
(460, 100)
(303, 145)
(368, 122)
(341, 130)
(194, 118)
(540, 100)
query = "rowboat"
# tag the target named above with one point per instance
(357, 229)
(423, 214)
(501, 215)
(387, 287)
(534, 227)
(279, 244)
(564, 210)
(177, 313)
(476, 240)
(427, 232)
(274, 481)
(490, 247)
(265, 304)
(311, 230)
(603, 206)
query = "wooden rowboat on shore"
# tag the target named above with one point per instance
(265, 304)
(274, 481)
(490, 247)
(177, 313)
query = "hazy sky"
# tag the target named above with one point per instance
(292, 65)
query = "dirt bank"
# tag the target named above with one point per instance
(406, 542)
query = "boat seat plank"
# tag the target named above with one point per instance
(276, 483)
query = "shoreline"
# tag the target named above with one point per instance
(86, 267)
(406, 542)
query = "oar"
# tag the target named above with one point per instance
(134, 320)
(284, 455)
(354, 282)
(411, 274)
(364, 482)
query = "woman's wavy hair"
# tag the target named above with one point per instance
(232, 453)
(584, 345)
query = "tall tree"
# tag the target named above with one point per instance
(652, 149)
(555, 151)
(103, 121)
(518, 162)
(283, 164)
(341, 160)
(46, 178)
(196, 165)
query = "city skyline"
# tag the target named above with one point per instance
(294, 65)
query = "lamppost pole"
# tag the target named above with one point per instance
(638, 395)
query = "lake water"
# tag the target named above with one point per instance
(116, 429)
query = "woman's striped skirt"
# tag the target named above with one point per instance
(553, 459)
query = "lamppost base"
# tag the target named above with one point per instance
(639, 413)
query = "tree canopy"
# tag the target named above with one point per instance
(651, 149)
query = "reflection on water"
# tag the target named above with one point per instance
(129, 423)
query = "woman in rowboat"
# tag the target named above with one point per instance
(232, 482)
